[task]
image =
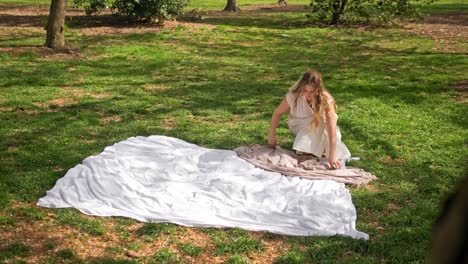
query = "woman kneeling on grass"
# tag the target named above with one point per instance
(312, 118)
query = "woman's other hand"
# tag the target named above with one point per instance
(335, 164)
(275, 118)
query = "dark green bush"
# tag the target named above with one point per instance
(365, 11)
(140, 10)
(93, 6)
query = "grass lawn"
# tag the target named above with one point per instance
(447, 6)
(216, 83)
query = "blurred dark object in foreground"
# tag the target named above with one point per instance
(450, 231)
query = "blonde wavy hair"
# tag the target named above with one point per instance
(321, 95)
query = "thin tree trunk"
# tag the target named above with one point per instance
(336, 12)
(231, 6)
(55, 31)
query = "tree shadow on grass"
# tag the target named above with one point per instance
(452, 18)
(72, 21)
(260, 21)
(22, 21)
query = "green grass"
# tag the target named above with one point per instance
(5, 220)
(25, 2)
(156, 229)
(114, 250)
(14, 250)
(165, 256)
(66, 254)
(234, 242)
(134, 246)
(447, 6)
(293, 256)
(49, 245)
(30, 213)
(190, 249)
(73, 218)
(217, 88)
(237, 259)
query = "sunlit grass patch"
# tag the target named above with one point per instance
(73, 218)
(164, 255)
(134, 246)
(190, 249)
(293, 256)
(237, 259)
(235, 241)
(30, 213)
(156, 229)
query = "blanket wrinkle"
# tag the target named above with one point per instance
(288, 163)
(164, 179)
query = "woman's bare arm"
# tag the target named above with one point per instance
(275, 118)
(330, 115)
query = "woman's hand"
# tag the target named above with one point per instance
(334, 164)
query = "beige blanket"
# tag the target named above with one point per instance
(288, 163)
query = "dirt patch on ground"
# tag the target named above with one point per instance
(71, 97)
(155, 87)
(388, 160)
(44, 52)
(108, 119)
(461, 87)
(168, 123)
(447, 29)
(77, 92)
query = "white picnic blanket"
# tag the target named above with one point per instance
(165, 179)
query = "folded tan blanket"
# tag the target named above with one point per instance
(288, 163)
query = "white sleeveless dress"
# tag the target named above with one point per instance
(309, 139)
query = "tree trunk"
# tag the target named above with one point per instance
(231, 6)
(55, 31)
(336, 12)
(343, 6)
